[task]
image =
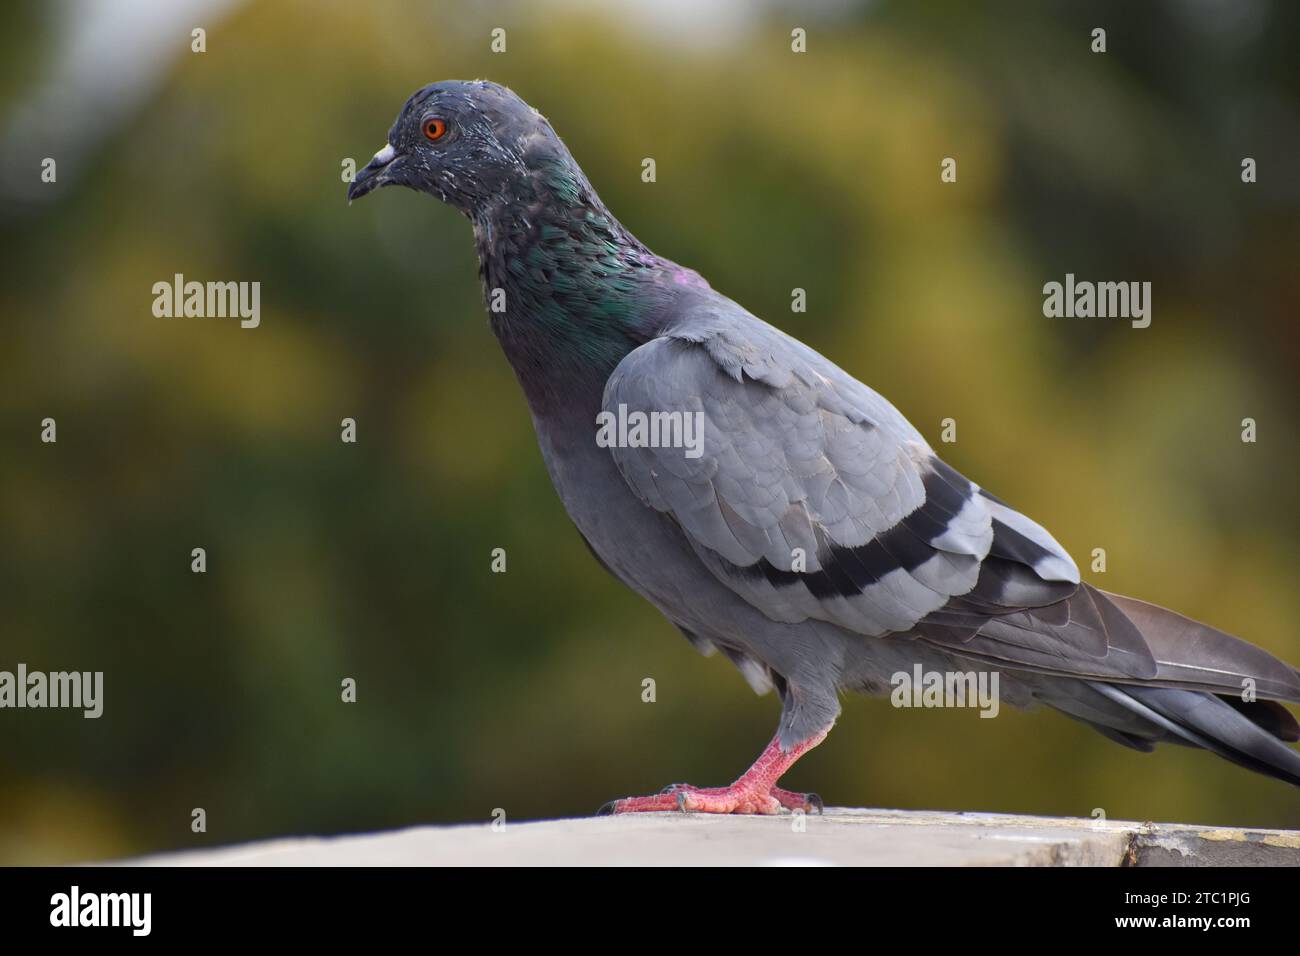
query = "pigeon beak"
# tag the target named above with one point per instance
(373, 175)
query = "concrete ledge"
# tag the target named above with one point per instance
(840, 837)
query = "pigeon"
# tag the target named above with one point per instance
(776, 509)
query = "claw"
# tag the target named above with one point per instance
(754, 791)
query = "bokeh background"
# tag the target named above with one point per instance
(523, 691)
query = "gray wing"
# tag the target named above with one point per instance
(812, 496)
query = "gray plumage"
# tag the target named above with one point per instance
(818, 541)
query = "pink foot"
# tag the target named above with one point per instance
(807, 802)
(754, 793)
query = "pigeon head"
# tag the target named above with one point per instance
(472, 144)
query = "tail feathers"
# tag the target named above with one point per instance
(1107, 637)
(1138, 673)
(1081, 700)
(1269, 715)
(1191, 654)
(1205, 720)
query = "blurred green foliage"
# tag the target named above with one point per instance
(775, 171)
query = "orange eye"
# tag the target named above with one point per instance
(435, 128)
